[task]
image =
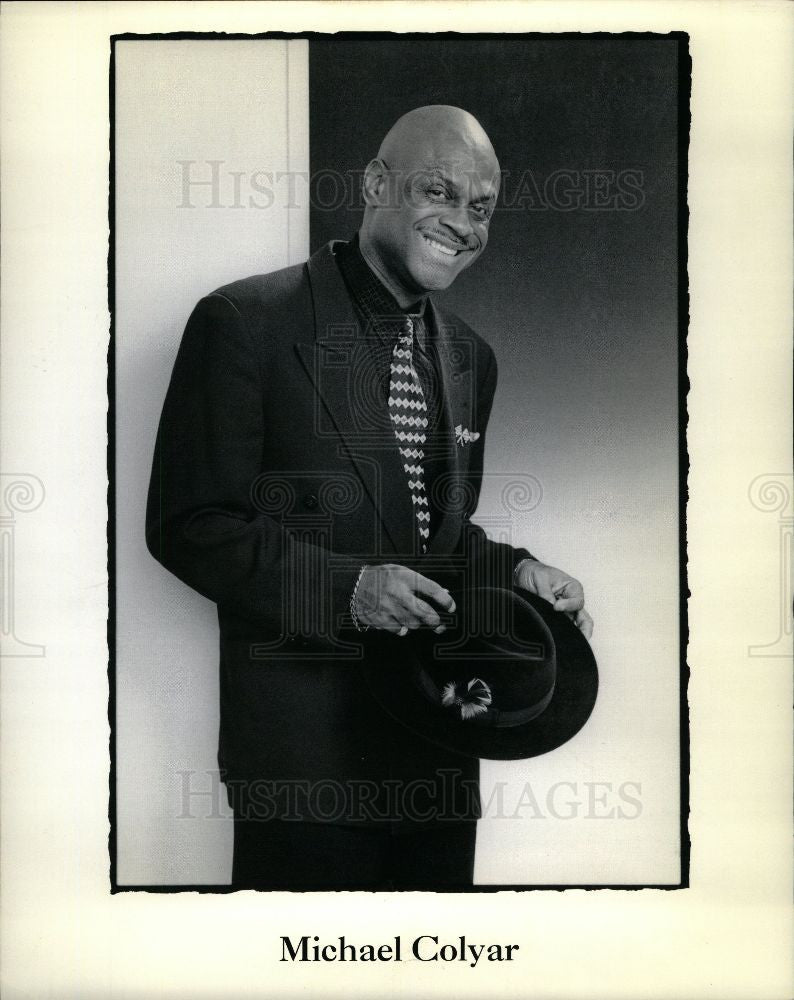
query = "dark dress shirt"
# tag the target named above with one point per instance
(382, 320)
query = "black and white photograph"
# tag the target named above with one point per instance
(396, 499)
(399, 330)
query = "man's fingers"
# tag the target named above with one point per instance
(421, 609)
(568, 595)
(429, 588)
(386, 622)
(584, 623)
(403, 618)
(568, 603)
(405, 611)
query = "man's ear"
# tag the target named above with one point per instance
(374, 185)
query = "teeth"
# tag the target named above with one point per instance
(441, 247)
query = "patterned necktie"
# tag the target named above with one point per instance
(408, 412)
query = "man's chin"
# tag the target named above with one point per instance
(436, 276)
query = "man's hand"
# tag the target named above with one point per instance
(391, 597)
(558, 588)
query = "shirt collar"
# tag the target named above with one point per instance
(370, 295)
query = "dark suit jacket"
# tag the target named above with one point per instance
(276, 475)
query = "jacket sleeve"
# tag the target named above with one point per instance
(490, 563)
(201, 521)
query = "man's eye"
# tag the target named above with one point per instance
(437, 192)
(481, 212)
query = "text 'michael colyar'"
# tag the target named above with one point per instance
(425, 948)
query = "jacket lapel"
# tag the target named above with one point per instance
(345, 368)
(455, 362)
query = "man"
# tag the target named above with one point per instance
(318, 461)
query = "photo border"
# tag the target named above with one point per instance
(684, 85)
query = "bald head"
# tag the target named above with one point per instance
(429, 196)
(426, 135)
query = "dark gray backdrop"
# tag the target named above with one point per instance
(580, 303)
(578, 293)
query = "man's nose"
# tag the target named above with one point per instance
(456, 217)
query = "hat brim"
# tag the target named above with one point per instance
(387, 668)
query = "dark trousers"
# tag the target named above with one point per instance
(279, 854)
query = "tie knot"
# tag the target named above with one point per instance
(405, 338)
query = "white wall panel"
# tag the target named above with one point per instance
(207, 136)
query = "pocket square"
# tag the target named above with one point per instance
(464, 436)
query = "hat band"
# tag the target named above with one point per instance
(492, 717)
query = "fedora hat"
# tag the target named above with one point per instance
(510, 678)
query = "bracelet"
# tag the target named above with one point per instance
(353, 615)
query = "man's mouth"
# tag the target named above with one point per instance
(444, 245)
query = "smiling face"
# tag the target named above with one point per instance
(430, 195)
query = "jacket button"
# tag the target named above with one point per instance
(310, 501)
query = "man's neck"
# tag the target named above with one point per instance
(403, 298)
